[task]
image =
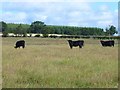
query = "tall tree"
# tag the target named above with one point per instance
(111, 30)
(3, 28)
(20, 30)
(37, 27)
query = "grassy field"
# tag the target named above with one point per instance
(50, 63)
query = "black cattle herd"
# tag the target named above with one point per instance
(80, 43)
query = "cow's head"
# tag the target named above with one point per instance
(70, 43)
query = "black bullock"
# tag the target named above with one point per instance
(20, 43)
(107, 43)
(79, 43)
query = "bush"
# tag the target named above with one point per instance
(37, 35)
(53, 36)
(45, 35)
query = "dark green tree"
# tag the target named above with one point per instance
(37, 27)
(20, 31)
(3, 28)
(111, 30)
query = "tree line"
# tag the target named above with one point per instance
(39, 27)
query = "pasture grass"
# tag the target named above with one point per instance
(50, 63)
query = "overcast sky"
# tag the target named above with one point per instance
(61, 12)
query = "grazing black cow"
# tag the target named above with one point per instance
(107, 43)
(20, 43)
(79, 43)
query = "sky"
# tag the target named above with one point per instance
(87, 13)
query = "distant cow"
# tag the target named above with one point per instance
(20, 43)
(79, 43)
(107, 43)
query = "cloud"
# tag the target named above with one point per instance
(104, 8)
(38, 16)
(107, 22)
(60, 13)
(10, 17)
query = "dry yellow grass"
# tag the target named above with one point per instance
(51, 63)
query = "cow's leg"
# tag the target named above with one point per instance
(23, 46)
(80, 46)
(70, 46)
(112, 44)
(15, 47)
